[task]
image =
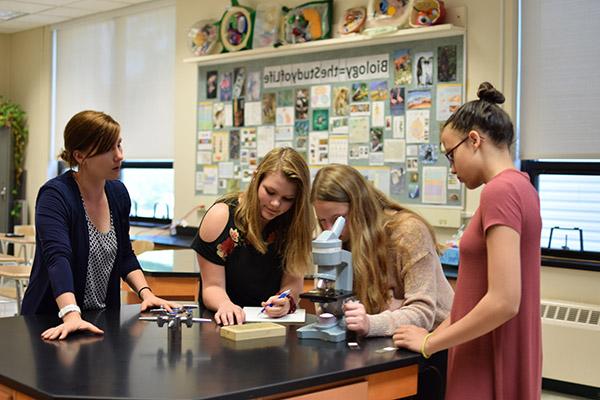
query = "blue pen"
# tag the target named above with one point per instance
(283, 294)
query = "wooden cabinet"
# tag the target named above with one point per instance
(7, 393)
(394, 384)
(354, 391)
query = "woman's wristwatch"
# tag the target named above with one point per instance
(67, 309)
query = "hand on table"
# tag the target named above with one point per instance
(410, 337)
(229, 314)
(72, 322)
(149, 300)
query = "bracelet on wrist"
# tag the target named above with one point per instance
(139, 292)
(292, 304)
(68, 309)
(425, 339)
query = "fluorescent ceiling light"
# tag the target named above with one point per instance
(7, 15)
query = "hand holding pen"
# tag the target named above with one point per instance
(277, 306)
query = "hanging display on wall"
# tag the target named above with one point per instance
(266, 28)
(353, 20)
(377, 107)
(236, 27)
(427, 13)
(384, 16)
(203, 38)
(307, 22)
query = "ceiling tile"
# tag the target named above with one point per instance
(55, 3)
(22, 6)
(46, 12)
(98, 5)
(66, 12)
(16, 25)
(42, 20)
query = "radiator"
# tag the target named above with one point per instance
(571, 342)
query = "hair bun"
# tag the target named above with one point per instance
(487, 92)
(65, 156)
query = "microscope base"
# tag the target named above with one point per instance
(331, 334)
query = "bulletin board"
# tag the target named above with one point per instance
(378, 108)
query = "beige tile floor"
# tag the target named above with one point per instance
(8, 308)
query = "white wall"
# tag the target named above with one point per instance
(570, 285)
(30, 87)
(4, 64)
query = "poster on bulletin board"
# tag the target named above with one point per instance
(378, 108)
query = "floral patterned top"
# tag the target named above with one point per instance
(251, 277)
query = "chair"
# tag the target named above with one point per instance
(141, 246)
(25, 250)
(20, 274)
(27, 230)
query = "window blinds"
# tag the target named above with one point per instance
(560, 80)
(123, 64)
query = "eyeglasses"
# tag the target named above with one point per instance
(450, 153)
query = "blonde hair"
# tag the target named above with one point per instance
(367, 221)
(295, 227)
(93, 132)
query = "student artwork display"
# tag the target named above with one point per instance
(385, 16)
(353, 20)
(427, 13)
(203, 38)
(378, 109)
(307, 22)
(266, 31)
(236, 27)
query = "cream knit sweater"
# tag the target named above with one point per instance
(420, 293)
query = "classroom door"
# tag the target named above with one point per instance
(6, 177)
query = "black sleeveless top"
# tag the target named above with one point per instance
(250, 277)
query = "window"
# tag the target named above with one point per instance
(569, 198)
(151, 188)
(122, 63)
(557, 125)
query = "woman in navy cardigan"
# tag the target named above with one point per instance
(82, 232)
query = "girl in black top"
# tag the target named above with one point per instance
(255, 244)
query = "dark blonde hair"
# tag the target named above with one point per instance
(91, 132)
(367, 221)
(294, 228)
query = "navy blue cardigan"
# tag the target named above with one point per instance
(62, 245)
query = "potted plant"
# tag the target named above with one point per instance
(13, 117)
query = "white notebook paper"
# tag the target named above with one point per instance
(253, 314)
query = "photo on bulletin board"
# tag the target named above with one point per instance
(382, 115)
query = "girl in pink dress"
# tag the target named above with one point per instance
(494, 330)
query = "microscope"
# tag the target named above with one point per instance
(333, 285)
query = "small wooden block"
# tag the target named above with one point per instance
(252, 331)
